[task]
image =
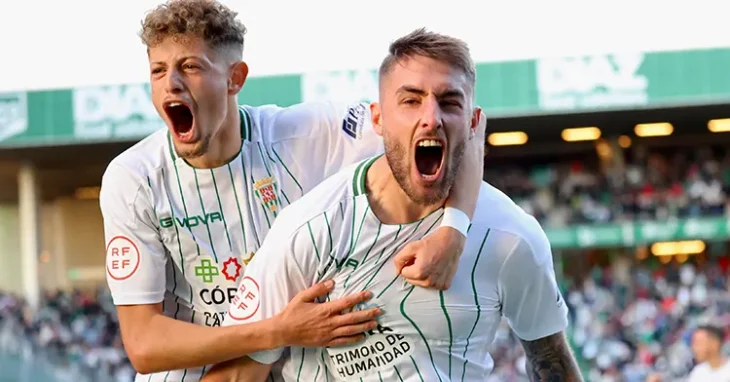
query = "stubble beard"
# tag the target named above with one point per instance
(396, 155)
(198, 150)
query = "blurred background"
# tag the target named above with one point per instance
(614, 132)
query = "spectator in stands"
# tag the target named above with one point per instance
(707, 347)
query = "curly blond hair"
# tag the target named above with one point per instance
(209, 20)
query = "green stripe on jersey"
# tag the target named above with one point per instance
(220, 206)
(476, 302)
(202, 207)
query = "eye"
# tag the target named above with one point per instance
(410, 101)
(451, 104)
(191, 67)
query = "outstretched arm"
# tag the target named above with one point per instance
(550, 359)
(432, 262)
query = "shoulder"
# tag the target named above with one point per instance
(511, 227)
(274, 123)
(143, 158)
(699, 372)
(129, 172)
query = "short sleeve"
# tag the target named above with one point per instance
(135, 256)
(530, 297)
(283, 266)
(351, 137)
(329, 136)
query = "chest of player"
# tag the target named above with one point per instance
(442, 318)
(222, 212)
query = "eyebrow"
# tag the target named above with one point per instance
(448, 93)
(179, 60)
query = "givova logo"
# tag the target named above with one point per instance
(191, 221)
(13, 114)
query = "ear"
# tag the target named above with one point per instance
(237, 77)
(477, 119)
(376, 118)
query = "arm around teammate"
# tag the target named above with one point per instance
(135, 261)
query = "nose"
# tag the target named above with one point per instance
(431, 117)
(173, 82)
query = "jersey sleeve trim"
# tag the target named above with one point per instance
(142, 298)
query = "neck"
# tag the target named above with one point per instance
(388, 200)
(717, 361)
(224, 144)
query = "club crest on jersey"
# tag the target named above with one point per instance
(354, 120)
(267, 191)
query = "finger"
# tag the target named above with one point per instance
(339, 341)
(357, 317)
(311, 294)
(419, 283)
(404, 258)
(352, 330)
(346, 303)
(414, 271)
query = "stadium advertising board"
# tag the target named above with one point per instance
(628, 234)
(514, 88)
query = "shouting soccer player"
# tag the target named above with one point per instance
(186, 208)
(349, 227)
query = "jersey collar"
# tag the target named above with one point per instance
(361, 172)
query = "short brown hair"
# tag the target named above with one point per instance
(713, 331)
(210, 20)
(439, 47)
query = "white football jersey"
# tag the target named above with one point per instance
(183, 236)
(506, 269)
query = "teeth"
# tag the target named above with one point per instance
(429, 143)
(174, 104)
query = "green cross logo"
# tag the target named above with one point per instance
(206, 270)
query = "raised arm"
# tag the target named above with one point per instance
(532, 303)
(135, 260)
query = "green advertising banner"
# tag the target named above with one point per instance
(547, 85)
(633, 233)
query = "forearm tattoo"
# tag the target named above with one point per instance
(550, 359)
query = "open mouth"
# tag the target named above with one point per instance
(429, 157)
(182, 119)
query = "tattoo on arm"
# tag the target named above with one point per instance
(550, 359)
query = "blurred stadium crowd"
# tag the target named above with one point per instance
(75, 335)
(644, 184)
(629, 319)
